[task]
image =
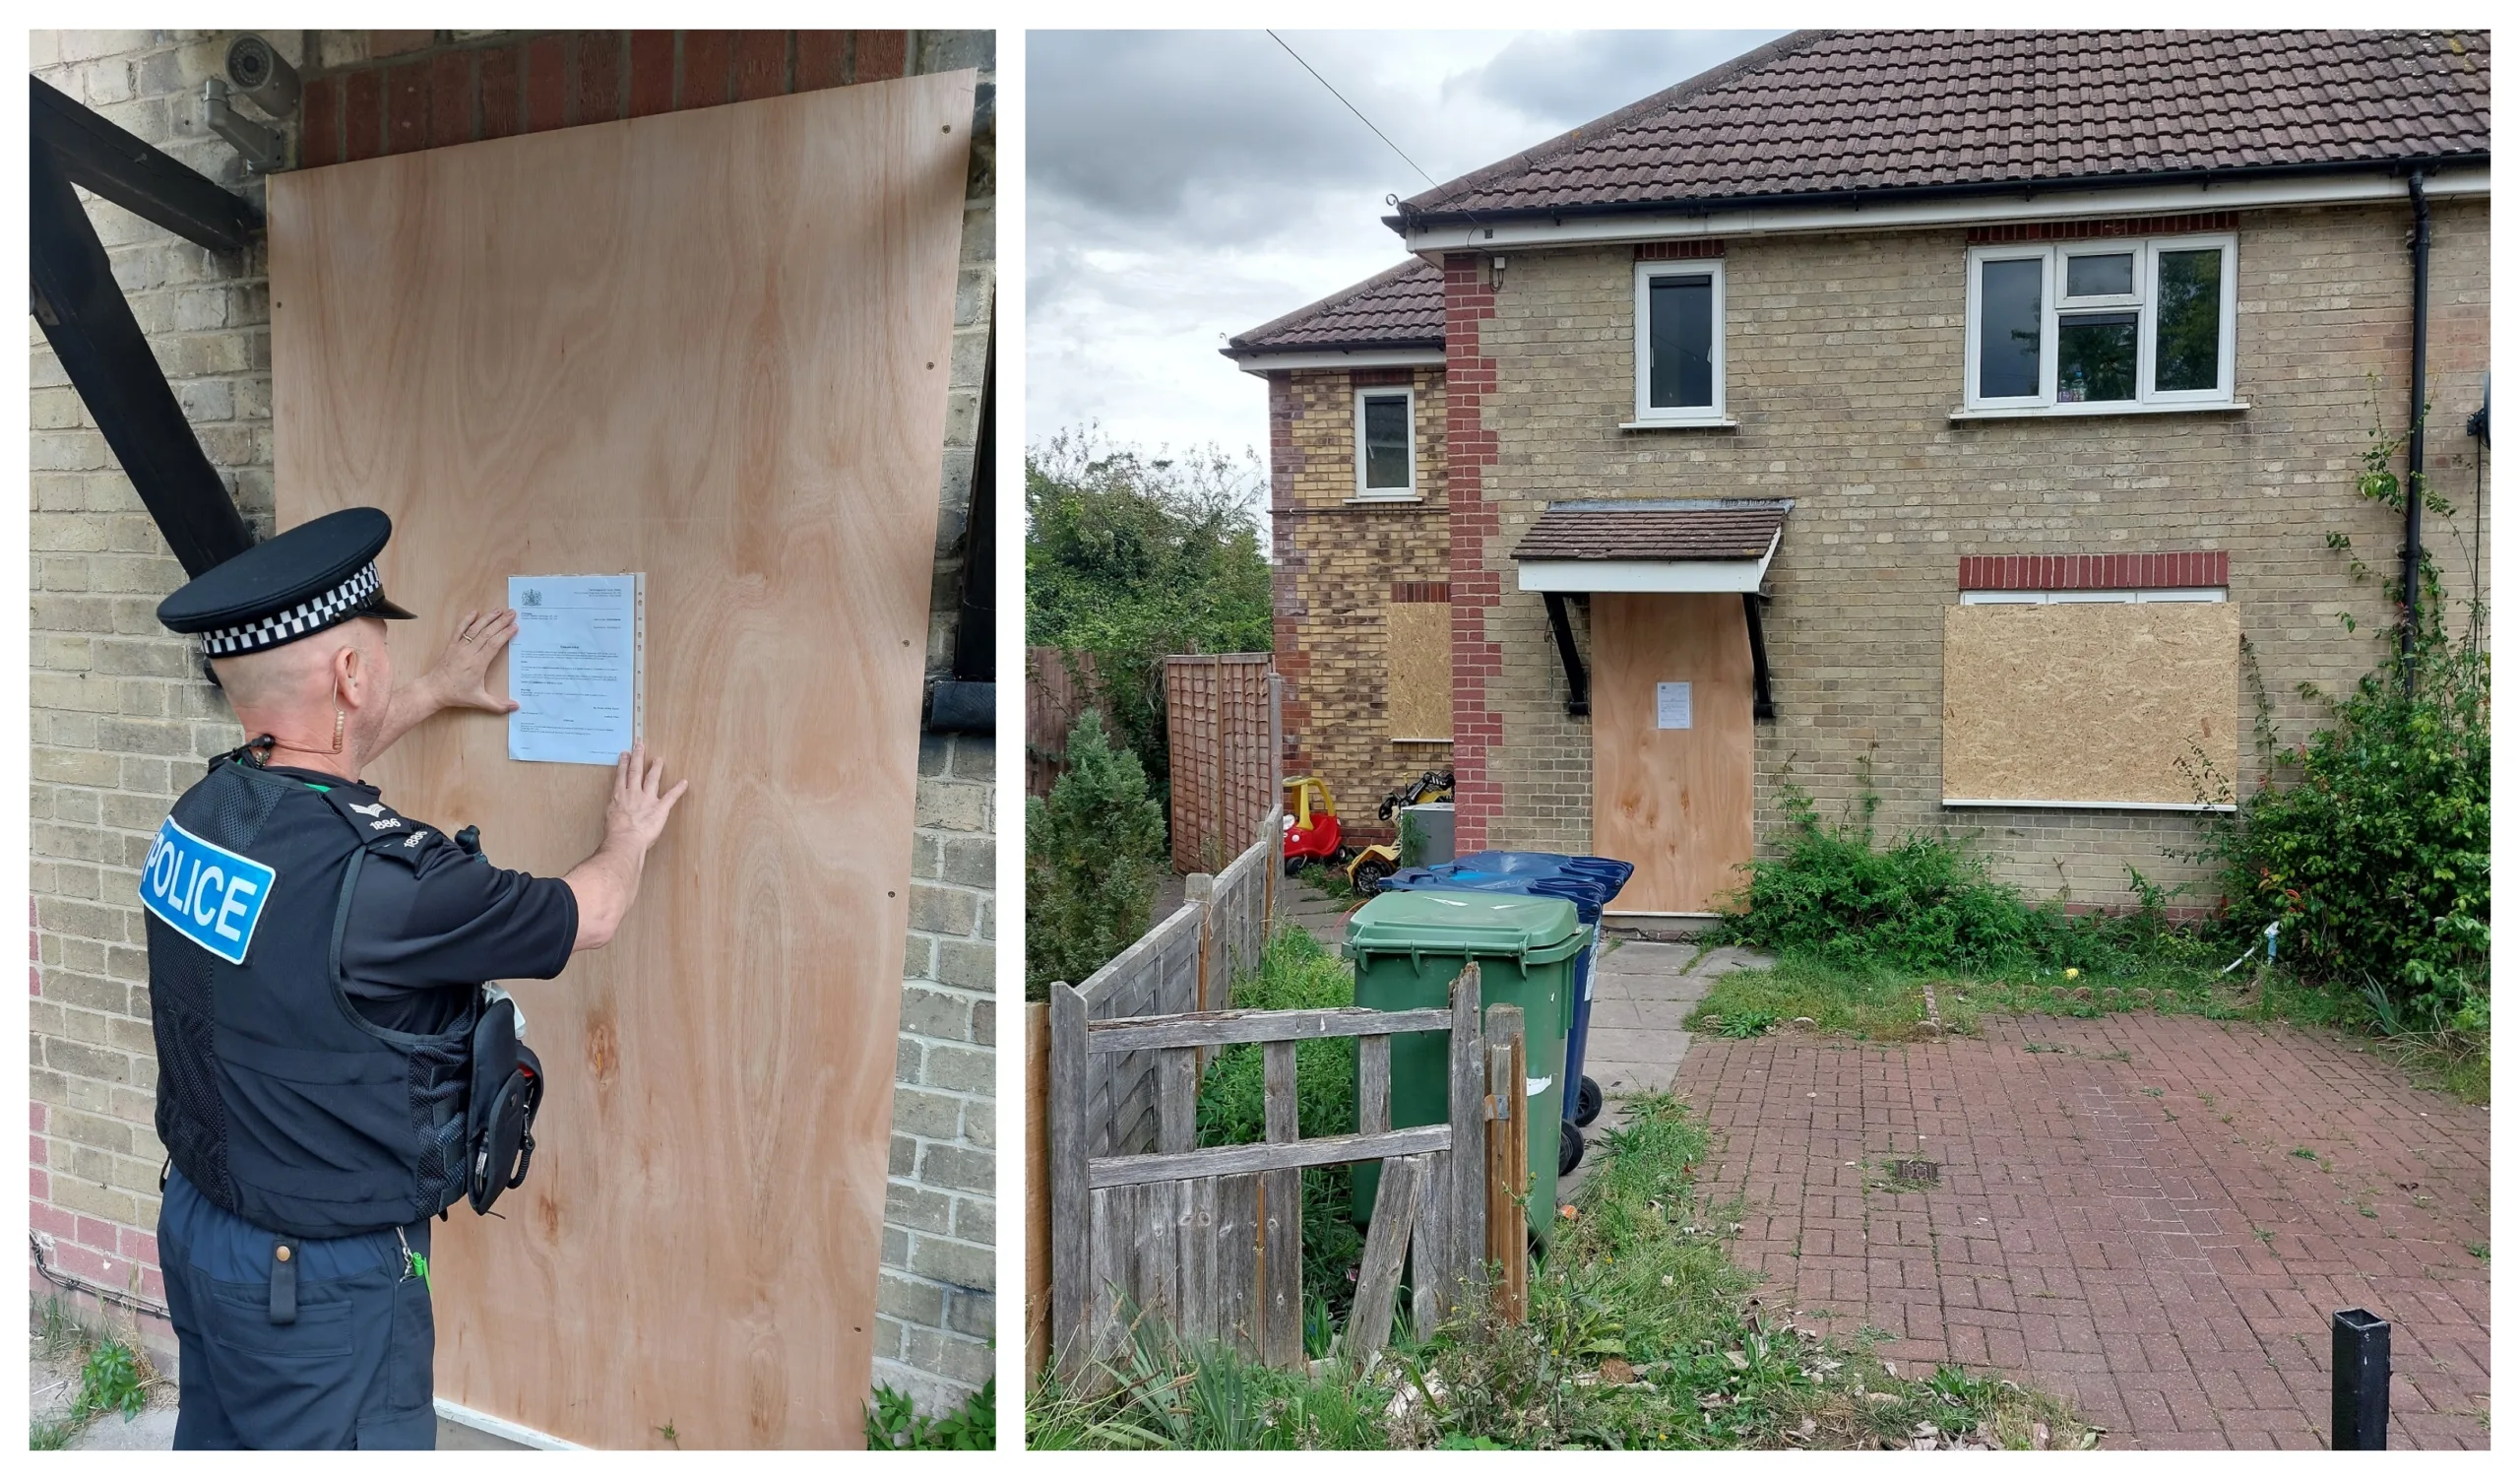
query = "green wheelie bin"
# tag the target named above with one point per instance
(1408, 948)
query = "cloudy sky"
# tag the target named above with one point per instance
(1188, 185)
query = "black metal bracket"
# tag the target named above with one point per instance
(1762, 703)
(966, 703)
(1579, 694)
(103, 349)
(107, 161)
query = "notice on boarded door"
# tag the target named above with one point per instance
(573, 667)
(1670, 706)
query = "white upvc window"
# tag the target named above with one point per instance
(1679, 344)
(2099, 326)
(1387, 442)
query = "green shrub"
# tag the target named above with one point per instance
(1130, 555)
(1093, 850)
(893, 1422)
(1924, 905)
(2369, 844)
(1295, 971)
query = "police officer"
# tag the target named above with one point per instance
(333, 1071)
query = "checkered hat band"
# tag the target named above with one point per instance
(311, 616)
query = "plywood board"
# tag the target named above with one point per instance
(1418, 696)
(2088, 702)
(713, 346)
(1674, 802)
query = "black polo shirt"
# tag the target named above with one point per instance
(429, 923)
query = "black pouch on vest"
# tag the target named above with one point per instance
(507, 1089)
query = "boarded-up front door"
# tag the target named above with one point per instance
(709, 346)
(1671, 746)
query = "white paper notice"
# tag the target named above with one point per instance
(1670, 706)
(573, 667)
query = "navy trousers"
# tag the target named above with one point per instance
(352, 1371)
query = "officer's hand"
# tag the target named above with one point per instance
(463, 671)
(636, 813)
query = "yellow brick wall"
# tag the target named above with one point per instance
(1843, 363)
(1335, 564)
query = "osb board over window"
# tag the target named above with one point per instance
(2088, 702)
(1418, 692)
(709, 346)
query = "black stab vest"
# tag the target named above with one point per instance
(276, 1097)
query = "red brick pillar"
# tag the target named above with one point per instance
(1470, 450)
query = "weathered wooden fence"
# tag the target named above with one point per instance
(1054, 698)
(1186, 964)
(1210, 1240)
(1221, 719)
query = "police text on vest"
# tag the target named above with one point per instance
(213, 896)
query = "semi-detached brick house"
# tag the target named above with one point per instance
(121, 716)
(1955, 417)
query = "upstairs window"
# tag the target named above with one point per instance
(1387, 442)
(2102, 325)
(1679, 343)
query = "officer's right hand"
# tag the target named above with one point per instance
(636, 814)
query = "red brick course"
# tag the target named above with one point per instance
(2132, 572)
(2106, 1231)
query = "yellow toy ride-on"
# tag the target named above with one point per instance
(1313, 831)
(1379, 861)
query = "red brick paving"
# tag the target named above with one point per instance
(2099, 1241)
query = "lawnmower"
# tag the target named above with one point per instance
(1376, 863)
(1312, 822)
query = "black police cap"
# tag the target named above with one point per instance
(292, 584)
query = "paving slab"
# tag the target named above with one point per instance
(2152, 1216)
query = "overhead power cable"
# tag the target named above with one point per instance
(1351, 107)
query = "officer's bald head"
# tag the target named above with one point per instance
(302, 680)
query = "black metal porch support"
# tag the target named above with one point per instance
(968, 701)
(1762, 705)
(150, 183)
(107, 359)
(1579, 694)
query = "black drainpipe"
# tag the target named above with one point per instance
(2421, 244)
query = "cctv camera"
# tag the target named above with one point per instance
(263, 75)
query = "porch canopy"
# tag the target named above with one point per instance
(1709, 545)
(1678, 545)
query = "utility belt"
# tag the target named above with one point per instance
(507, 1090)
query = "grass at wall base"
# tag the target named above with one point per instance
(2366, 846)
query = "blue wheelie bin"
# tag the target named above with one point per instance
(1590, 883)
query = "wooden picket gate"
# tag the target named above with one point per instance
(1210, 1240)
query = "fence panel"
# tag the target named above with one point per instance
(1209, 1242)
(1054, 697)
(1219, 724)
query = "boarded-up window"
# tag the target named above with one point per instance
(1418, 690)
(2088, 702)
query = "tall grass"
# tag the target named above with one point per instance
(1297, 970)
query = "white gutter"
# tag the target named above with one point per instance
(1261, 362)
(1943, 212)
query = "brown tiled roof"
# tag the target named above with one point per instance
(1399, 308)
(1656, 529)
(1879, 110)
